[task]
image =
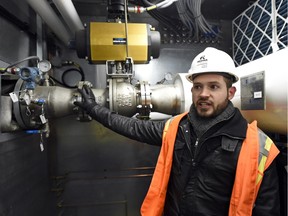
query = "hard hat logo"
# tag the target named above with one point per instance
(202, 62)
(202, 58)
(212, 60)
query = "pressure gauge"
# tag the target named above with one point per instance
(44, 66)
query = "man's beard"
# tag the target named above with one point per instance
(202, 113)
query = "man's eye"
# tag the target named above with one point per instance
(214, 87)
(196, 87)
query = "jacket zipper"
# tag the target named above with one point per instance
(185, 131)
(195, 149)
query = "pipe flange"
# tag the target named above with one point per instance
(144, 104)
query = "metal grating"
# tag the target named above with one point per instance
(260, 30)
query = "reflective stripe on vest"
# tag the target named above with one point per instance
(257, 153)
(265, 145)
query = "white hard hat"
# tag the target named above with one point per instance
(212, 60)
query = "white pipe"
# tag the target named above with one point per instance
(274, 117)
(69, 14)
(48, 15)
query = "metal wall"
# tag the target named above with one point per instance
(98, 171)
(24, 178)
(85, 169)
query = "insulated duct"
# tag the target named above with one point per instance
(48, 15)
(262, 91)
(69, 14)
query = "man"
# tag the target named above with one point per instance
(211, 163)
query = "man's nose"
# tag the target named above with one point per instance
(205, 92)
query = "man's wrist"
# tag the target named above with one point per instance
(90, 107)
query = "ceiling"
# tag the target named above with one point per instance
(91, 10)
(224, 9)
(211, 9)
(19, 12)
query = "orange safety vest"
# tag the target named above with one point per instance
(257, 153)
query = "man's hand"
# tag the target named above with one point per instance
(88, 99)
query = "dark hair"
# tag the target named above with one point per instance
(228, 81)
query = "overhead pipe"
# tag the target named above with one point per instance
(48, 15)
(69, 14)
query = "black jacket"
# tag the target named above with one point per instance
(203, 171)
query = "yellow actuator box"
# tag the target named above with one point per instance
(116, 41)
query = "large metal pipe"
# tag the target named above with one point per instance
(121, 96)
(48, 15)
(272, 93)
(174, 98)
(69, 14)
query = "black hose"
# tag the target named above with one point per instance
(69, 70)
(76, 68)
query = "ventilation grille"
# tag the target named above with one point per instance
(253, 32)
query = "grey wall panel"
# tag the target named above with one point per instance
(99, 169)
(114, 195)
(24, 180)
(14, 43)
(24, 177)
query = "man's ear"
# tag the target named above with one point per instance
(231, 92)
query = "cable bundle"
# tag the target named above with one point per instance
(190, 14)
